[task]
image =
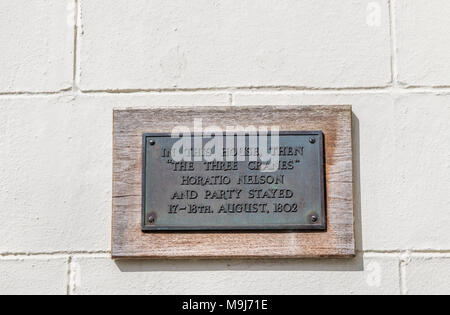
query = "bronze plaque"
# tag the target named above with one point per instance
(237, 192)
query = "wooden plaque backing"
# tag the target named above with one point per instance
(128, 241)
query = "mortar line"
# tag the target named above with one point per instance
(394, 56)
(404, 260)
(48, 254)
(234, 89)
(29, 93)
(442, 90)
(410, 251)
(75, 46)
(400, 277)
(69, 275)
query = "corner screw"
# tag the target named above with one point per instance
(151, 219)
(312, 140)
(152, 142)
(314, 219)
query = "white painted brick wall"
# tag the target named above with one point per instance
(36, 45)
(31, 275)
(371, 275)
(423, 42)
(59, 84)
(188, 44)
(428, 274)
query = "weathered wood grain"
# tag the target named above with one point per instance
(128, 241)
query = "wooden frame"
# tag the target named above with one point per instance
(128, 241)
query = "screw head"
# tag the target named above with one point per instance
(314, 219)
(312, 140)
(151, 219)
(152, 142)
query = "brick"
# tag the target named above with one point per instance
(402, 165)
(358, 276)
(31, 276)
(423, 42)
(55, 170)
(233, 43)
(37, 40)
(423, 176)
(55, 184)
(428, 275)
